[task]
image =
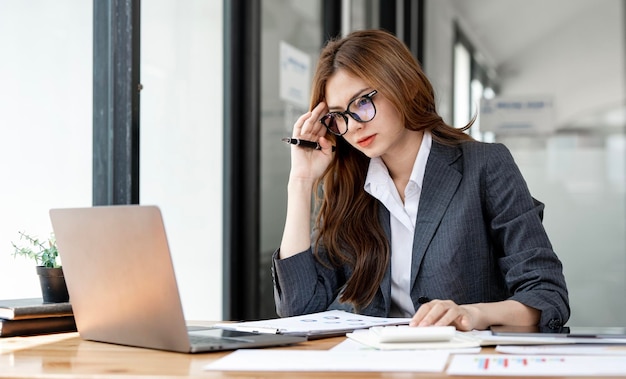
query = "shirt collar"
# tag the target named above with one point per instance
(378, 173)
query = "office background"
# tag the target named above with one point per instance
(572, 50)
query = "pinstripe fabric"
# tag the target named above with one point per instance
(478, 238)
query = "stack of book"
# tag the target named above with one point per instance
(24, 317)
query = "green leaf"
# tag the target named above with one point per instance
(44, 254)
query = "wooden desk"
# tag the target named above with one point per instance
(68, 356)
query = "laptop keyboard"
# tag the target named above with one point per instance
(196, 339)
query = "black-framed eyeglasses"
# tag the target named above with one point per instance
(361, 109)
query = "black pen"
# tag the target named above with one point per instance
(303, 143)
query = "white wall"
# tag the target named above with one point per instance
(46, 124)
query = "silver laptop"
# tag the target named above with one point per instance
(120, 277)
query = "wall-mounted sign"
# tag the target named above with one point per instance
(517, 115)
(295, 72)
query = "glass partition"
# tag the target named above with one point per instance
(573, 157)
(181, 141)
(291, 38)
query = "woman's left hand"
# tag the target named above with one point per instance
(479, 316)
(447, 312)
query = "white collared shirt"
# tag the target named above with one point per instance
(403, 216)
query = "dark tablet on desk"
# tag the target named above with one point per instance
(566, 331)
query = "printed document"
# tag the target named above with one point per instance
(327, 360)
(536, 365)
(322, 324)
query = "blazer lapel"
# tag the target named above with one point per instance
(441, 180)
(385, 285)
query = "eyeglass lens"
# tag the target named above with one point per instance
(361, 109)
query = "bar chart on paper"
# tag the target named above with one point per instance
(536, 365)
(512, 363)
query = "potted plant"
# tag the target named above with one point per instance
(46, 256)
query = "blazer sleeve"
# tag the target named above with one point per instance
(303, 285)
(531, 268)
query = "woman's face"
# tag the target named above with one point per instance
(384, 134)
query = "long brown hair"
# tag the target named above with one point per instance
(347, 222)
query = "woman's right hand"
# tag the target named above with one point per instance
(309, 164)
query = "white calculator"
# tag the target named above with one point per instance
(405, 333)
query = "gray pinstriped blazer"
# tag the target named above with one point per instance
(478, 238)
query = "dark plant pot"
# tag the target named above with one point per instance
(53, 288)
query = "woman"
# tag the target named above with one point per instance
(415, 218)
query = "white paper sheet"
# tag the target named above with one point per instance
(327, 360)
(351, 345)
(488, 339)
(536, 365)
(316, 324)
(369, 338)
(577, 349)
